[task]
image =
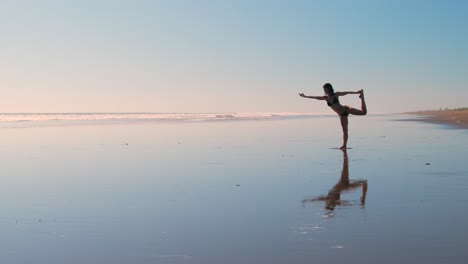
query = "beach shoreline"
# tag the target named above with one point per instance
(138, 185)
(454, 117)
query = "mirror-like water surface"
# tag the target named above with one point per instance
(255, 191)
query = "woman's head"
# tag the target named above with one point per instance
(328, 89)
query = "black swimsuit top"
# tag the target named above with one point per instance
(335, 101)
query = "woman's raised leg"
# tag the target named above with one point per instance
(363, 110)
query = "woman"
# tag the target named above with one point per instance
(343, 111)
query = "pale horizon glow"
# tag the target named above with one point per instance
(183, 56)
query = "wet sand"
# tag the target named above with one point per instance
(455, 117)
(271, 191)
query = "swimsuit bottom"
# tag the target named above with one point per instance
(346, 111)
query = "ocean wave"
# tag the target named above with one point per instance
(50, 119)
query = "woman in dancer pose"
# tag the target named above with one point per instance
(331, 97)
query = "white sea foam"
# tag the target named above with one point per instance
(57, 119)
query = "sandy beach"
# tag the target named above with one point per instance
(233, 191)
(456, 117)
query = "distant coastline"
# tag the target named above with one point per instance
(457, 117)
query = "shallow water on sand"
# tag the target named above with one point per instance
(235, 192)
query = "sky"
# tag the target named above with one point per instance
(231, 56)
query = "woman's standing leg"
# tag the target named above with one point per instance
(344, 126)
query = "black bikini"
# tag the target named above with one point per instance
(336, 101)
(346, 111)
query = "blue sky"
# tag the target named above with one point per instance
(230, 56)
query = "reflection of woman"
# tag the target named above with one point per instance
(343, 111)
(333, 198)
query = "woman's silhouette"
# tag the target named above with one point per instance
(343, 111)
(333, 198)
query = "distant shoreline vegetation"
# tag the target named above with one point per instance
(456, 117)
(439, 110)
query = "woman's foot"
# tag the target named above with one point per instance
(343, 147)
(361, 93)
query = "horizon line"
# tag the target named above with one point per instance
(211, 112)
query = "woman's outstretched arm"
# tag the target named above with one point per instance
(345, 93)
(313, 97)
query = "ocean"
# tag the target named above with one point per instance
(19, 120)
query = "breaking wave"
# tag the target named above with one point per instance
(59, 119)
